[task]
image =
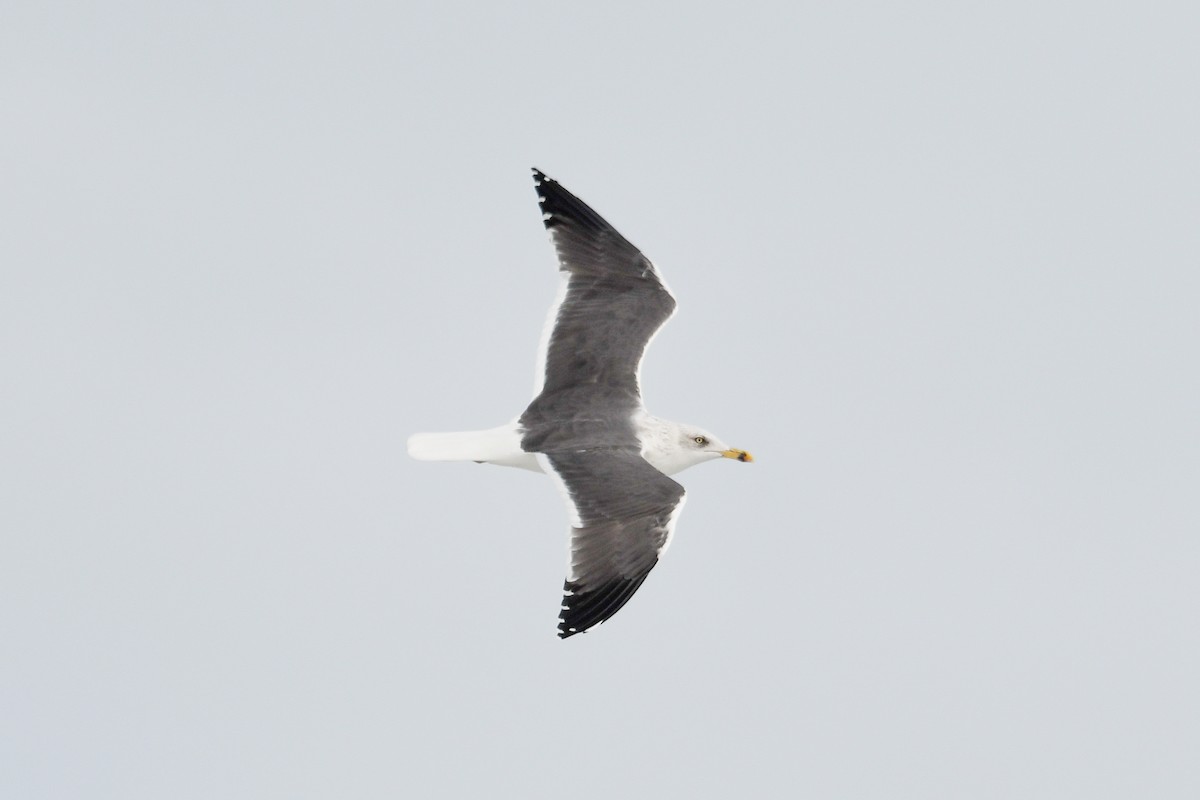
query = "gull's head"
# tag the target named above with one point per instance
(706, 446)
(687, 445)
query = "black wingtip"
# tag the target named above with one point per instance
(560, 207)
(583, 610)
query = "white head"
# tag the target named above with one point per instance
(673, 447)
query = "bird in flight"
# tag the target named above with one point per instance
(587, 427)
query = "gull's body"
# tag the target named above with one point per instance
(586, 426)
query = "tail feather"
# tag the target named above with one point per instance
(497, 445)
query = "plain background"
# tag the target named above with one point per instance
(938, 270)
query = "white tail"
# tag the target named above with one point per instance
(497, 446)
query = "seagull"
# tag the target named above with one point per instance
(587, 427)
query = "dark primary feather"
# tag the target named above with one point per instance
(585, 242)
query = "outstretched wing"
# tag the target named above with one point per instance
(623, 514)
(611, 304)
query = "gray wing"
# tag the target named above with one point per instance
(613, 303)
(624, 515)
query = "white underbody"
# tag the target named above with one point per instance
(661, 442)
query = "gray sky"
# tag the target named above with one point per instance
(937, 266)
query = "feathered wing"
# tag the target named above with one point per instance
(612, 302)
(623, 514)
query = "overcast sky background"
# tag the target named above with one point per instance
(938, 267)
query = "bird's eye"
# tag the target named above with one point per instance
(700, 440)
